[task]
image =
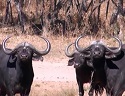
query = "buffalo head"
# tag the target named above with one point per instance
(25, 51)
(97, 49)
(77, 59)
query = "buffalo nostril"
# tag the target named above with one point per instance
(96, 53)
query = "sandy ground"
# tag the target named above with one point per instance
(54, 78)
(53, 71)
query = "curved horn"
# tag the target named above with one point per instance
(67, 52)
(78, 47)
(10, 51)
(6, 50)
(46, 51)
(117, 50)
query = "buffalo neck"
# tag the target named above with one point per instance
(26, 72)
(24, 66)
(99, 63)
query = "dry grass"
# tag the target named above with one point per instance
(54, 89)
(58, 43)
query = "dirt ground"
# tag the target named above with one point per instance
(54, 78)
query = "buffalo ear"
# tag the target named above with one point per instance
(37, 58)
(12, 58)
(71, 62)
(86, 54)
(110, 56)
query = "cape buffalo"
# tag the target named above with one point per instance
(16, 71)
(83, 71)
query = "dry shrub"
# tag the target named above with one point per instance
(2, 5)
(30, 11)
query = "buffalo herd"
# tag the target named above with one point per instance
(97, 64)
(100, 65)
